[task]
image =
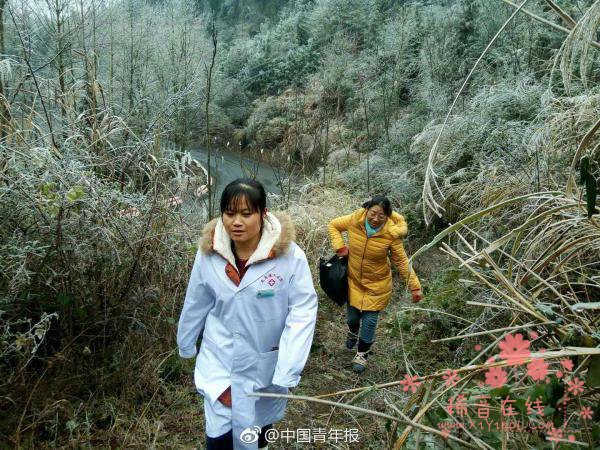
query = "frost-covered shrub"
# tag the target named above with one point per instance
(82, 257)
(495, 126)
(268, 122)
(514, 101)
(402, 133)
(392, 177)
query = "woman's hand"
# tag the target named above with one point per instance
(417, 295)
(342, 252)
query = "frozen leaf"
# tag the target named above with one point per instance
(75, 193)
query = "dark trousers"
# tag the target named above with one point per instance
(366, 321)
(225, 441)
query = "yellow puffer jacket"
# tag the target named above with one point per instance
(369, 272)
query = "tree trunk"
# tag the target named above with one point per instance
(4, 112)
(368, 139)
(207, 140)
(60, 60)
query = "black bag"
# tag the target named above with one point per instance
(333, 277)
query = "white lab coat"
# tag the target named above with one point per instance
(257, 336)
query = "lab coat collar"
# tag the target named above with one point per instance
(254, 272)
(287, 234)
(277, 235)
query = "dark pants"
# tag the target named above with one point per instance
(366, 321)
(225, 441)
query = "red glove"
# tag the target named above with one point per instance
(342, 252)
(225, 397)
(417, 295)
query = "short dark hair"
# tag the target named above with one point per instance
(382, 201)
(251, 190)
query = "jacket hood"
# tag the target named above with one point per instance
(277, 235)
(395, 225)
(398, 227)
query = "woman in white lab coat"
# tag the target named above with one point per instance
(251, 292)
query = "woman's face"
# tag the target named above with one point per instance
(241, 223)
(375, 216)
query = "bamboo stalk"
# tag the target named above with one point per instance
(424, 400)
(481, 333)
(494, 288)
(490, 305)
(510, 287)
(414, 308)
(566, 18)
(539, 18)
(582, 306)
(532, 272)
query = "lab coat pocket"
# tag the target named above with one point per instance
(267, 304)
(265, 368)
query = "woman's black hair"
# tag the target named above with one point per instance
(382, 201)
(247, 188)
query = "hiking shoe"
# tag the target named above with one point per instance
(351, 340)
(359, 363)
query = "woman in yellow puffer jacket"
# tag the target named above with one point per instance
(375, 235)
